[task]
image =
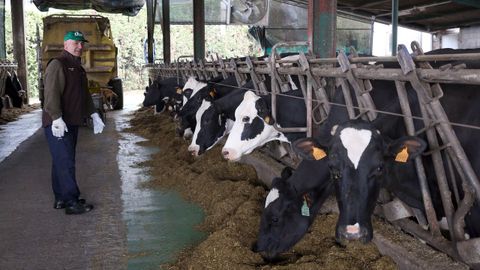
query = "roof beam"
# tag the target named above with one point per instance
(473, 3)
(451, 16)
(374, 3)
(414, 9)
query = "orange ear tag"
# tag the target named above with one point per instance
(179, 90)
(212, 93)
(318, 153)
(402, 156)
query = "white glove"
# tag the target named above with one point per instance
(98, 124)
(59, 127)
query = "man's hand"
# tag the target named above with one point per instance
(59, 127)
(98, 124)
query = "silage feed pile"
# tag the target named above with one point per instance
(232, 198)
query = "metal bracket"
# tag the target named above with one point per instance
(322, 106)
(222, 67)
(364, 99)
(258, 84)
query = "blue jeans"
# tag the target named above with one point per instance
(64, 183)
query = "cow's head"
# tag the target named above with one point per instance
(199, 92)
(282, 224)
(253, 128)
(152, 94)
(292, 205)
(359, 159)
(211, 126)
(190, 88)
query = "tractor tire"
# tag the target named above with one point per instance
(116, 84)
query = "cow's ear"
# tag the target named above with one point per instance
(406, 148)
(310, 149)
(286, 172)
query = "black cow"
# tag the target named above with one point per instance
(291, 207)
(163, 94)
(13, 90)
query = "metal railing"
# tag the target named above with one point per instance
(317, 75)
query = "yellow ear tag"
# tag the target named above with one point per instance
(212, 93)
(267, 119)
(402, 156)
(179, 90)
(318, 153)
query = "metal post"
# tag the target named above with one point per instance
(322, 26)
(394, 26)
(166, 30)
(3, 50)
(18, 33)
(150, 29)
(199, 29)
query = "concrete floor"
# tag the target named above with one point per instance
(36, 236)
(130, 227)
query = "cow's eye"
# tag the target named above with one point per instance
(274, 219)
(336, 174)
(378, 170)
(246, 119)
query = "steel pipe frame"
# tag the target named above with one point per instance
(276, 90)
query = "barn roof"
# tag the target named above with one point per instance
(130, 8)
(425, 15)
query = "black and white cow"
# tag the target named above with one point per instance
(194, 92)
(359, 158)
(291, 207)
(397, 177)
(214, 120)
(163, 94)
(254, 124)
(381, 164)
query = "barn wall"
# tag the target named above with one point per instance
(469, 37)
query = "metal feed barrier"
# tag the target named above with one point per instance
(318, 78)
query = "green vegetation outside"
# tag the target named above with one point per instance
(129, 34)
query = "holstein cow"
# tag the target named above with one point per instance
(359, 158)
(214, 120)
(291, 207)
(372, 160)
(163, 94)
(194, 92)
(254, 124)
(384, 163)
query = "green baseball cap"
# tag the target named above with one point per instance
(74, 35)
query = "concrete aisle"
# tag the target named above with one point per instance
(33, 235)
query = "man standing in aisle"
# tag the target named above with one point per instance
(66, 104)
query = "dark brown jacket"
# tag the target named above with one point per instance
(66, 92)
